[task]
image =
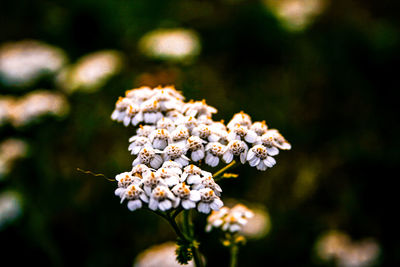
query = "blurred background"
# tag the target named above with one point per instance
(323, 72)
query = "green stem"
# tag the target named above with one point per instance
(224, 169)
(234, 249)
(184, 236)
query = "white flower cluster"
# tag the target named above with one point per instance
(227, 219)
(172, 134)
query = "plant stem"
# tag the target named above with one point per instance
(184, 236)
(234, 249)
(224, 169)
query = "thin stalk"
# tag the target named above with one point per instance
(234, 249)
(224, 169)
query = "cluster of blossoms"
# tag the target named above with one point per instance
(172, 135)
(232, 220)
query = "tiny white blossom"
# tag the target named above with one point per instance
(166, 124)
(162, 198)
(148, 156)
(258, 156)
(176, 153)
(124, 180)
(209, 200)
(143, 131)
(120, 108)
(185, 196)
(133, 115)
(187, 121)
(235, 148)
(214, 151)
(216, 218)
(259, 127)
(208, 182)
(138, 142)
(159, 138)
(199, 109)
(169, 176)
(239, 132)
(173, 166)
(191, 174)
(204, 131)
(240, 118)
(151, 111)
(180, 135)
(135, 195)
(196, 145)
(151, 180)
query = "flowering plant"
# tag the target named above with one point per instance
(174, 144)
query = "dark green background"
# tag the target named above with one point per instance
(330, 90)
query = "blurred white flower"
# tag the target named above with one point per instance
(23, 62)
(35, 104)
(229, 220)
(90, 72)
(171, 44)
(338, 246)
(11, 150)
(10, 207)
(296, 15)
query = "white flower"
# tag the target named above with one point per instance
(144, 131)
(187, 121)
(240, 118)
(231, 220)
(208, 182)
(151, 180)
(139, 95)
(235, 148)
(205, 132)
(166, 123)
(259, 127)
(174, 115)
(170, 177)
(133, 115)
(139, 170)
(159, 138)
(135, 195)
(166, 100)
(185, 196)
(180, 134)
(239, 132)
(214, 151)
(173, 166)
(237, 218)
(148, 156)
(195, 145)
(162, 198)
(151, 111)
(258, 156)
(138, 142)
(176, 153)
(192, 174)
(216, 218)
(120, 108)
(209, 200)
(199, 109)
(278, 140)
(124, 180)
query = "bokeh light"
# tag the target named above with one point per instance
(296, 15)
(23, 62)
(171, 44)
(90, 72)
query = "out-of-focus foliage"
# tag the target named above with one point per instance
(322, 72)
